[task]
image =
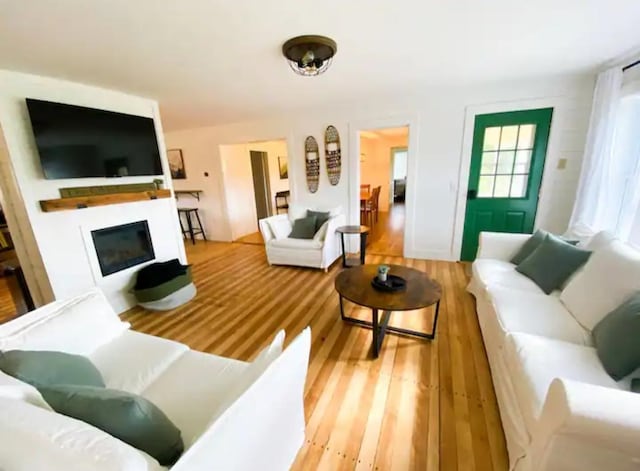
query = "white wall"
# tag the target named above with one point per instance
(438, 118)
(239, 192)
(61, 255)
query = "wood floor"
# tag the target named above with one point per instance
(387, 234)
(420, 406)
(7, 306)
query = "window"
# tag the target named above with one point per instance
(506, 161)
(399, 164)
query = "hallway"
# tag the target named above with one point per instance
(387, 235)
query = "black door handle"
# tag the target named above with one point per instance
(472, 194)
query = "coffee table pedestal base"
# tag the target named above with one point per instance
(381, 327)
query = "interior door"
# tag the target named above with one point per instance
(507, 161)
(262, 190)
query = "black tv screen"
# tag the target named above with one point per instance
(78, 142)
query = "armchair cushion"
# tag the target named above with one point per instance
(281, 227)
(304, 228)
(298, 244)
(321, 217)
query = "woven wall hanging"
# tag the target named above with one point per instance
(333, 154)
(312, 163)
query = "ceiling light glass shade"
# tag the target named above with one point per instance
(309, 55)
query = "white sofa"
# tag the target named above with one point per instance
(319, 252)
(560, 410)
(233, 415)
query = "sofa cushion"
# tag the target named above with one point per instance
(304, 228)
(529, 246)
(34, 438)
(296, 244)
(42, 368)
(497, 272)
(617, 339)
(609, 278)
(538, 314)
(552, 263)
(280, 226)
(128, 417)
(146, 357)
(79, 325)
(534, 362)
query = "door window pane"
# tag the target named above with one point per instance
(519, 186)
(526, 135)
(502, 185)
(485, 186)
(488, 166)
(523, 161)
(491, 138)
(505, 162)
(509, 137)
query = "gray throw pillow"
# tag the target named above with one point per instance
(532, 243)
(304, 228)
(42, 368)
(617, 339)
(128, 417)
(321, 217)
(552, 263)
(529, 246)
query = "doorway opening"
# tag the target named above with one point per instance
(15, 298)
(383, 183)
(256, 185)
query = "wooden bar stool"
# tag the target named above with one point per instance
(191, 231)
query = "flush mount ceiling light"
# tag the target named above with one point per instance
(309, 55)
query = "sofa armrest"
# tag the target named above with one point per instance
(331, 238)
(265, 230)
(500, 245)
(587, 427)
(264, 427)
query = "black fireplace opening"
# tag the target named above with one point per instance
(124, 246)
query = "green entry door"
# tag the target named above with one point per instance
(507, 160)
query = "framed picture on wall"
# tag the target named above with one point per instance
(283, 167)
(176, 164)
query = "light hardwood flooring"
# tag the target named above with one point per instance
(254, 238)
(420, 406)
(7, 306)
(387, 234)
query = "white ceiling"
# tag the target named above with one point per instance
(215, 61)
(395, 133)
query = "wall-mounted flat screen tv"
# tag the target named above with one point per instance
(78, 142)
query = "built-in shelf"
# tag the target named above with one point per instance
(80, 202)
(193, 193)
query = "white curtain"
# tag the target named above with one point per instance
(596, 206)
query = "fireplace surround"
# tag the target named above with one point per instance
(123, 246)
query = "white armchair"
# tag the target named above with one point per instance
(319, 252)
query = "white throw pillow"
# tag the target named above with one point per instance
(33, 438)
(298, 211)
(78, 326)
(611, 275)
(281, 227)
(599, 241)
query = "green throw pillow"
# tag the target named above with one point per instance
(304, 228)
(43, 368)
(532, 243)
(635, 385)
(552, 263)
(529, 246)
(128, 417)
(321, 217)
(617, 339)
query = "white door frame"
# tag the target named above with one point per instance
(412, 122)
(559, 105)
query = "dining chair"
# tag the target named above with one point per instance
(375, 197)
(365, 187)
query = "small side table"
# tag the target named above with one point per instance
(363, 231)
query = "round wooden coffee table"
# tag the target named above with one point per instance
(354, 284)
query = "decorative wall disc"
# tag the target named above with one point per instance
(312, 163)
(333, 154)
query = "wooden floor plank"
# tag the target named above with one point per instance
(423, 405)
